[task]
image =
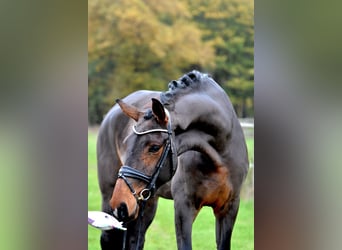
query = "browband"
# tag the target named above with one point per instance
(157, 129)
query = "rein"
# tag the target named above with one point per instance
(147, 192)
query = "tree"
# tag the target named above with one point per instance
(229, 27)
(136, 44)
(143, 44)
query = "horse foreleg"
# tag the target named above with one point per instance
(184, 217)
(224, 225)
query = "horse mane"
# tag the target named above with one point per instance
(197, 97)
(191, 82)
(200, 106)
(148, 114)
(191, 79)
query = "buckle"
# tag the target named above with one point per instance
(145, 194)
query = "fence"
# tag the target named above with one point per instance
(247, 191)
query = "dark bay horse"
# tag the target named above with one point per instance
(212, 159)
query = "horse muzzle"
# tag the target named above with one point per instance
(124, 205)
(122, 214)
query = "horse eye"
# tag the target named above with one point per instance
(154, 148)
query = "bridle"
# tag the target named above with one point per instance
(129, 172)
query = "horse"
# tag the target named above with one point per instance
(205, 164)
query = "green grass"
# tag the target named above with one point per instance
(250, 148)
(94, 197)
(161, 234)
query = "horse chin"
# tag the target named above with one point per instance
(134, 215)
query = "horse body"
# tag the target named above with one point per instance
(212, 160)
(212, 154)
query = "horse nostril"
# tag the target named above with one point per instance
(122, 212)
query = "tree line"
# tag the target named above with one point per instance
(144, 44)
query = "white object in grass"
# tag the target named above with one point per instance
(103, 221)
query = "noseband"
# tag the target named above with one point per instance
(127, 171)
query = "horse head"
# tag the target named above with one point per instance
(149, 159)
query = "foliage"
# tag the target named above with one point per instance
(134, 44)
(229, 26)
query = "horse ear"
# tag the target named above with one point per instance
(129, 110)
(159, 111)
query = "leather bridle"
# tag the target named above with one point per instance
(129, 172)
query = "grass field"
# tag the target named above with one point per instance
(161, 234)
